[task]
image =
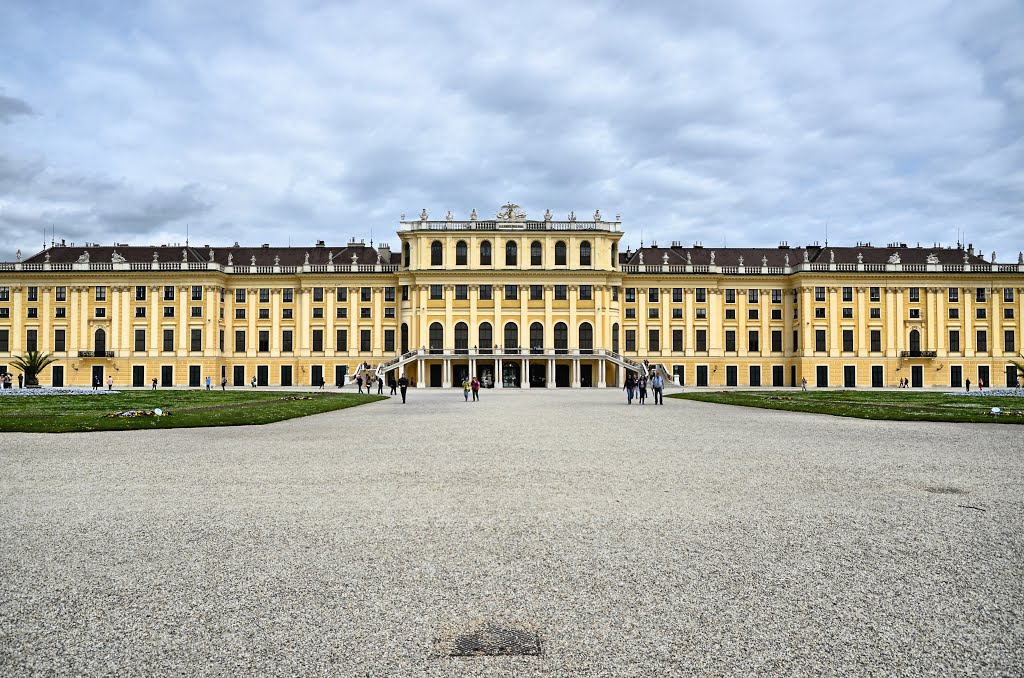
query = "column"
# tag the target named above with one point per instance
(574, 337)
(330, 340)
(155, 294)
(641, 322)
(862, 322)
(212, 342)
(690, 336)
(353, 321)
(967, 342)
(378, 319)
(182, 338)
(275, 322)
(833, 322)
(806, 320)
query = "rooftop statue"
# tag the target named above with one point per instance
(967, 258)
(831, 256)
(184, 256)
(932, 258)
(641, 257)
(330, 257)
(860, 258)
(46, 259)
(511, 212)
(712, 257)
(664, 259)
(787, 261)
(547, 215)
(156, 257)
(689, 260)
(472, 214)
(993, 256)
(423, 214)
(305, 262)
(355, 258)
(597, 215)
(1020, 258)
(252, 260)
(116, 258)
(807, 257)
(741, 260)
(84, 259)
(211, 255)
(894, 258)
(230, 258)
(277, 260)
(764, 261)
(17, 255)
(572, 216)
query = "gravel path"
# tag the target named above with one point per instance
(689, 539)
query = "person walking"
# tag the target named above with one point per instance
(657, 384)
(392, 383)
(475, 385)
(380, 386)
(359, 382)
(466, 387)
(110, 383)
(223, 383)
(403, 384)
(642, 388)
(208, 382)
(803, 383)
(967, 383)
(630, 385)
(96, 382)
(21, 380)
(154, 383)
(252, 382)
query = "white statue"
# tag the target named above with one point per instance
(597, 215)
(330, 257)
(423, 214)
(572, 216)
(860, 258)
(894, 258)
(831, 256)
(1020, 258)
(46, 259)
(230, 259)
(807, 257)
(787, 260)
(689, 261)
(967, 258)
(305, 262)
(156, 257)
(18, 255)
(252, 260)
(84, 259)
(472, 214)
(741, 260)
(277, 260)
(641, 257)
(993, 256)
(664, 259)
(712, 257)
(932, 258)
(764, 261)
(448, 217)
(116, 258)
(355, 257)
(184, 256)
(211, 255)
(547, 215)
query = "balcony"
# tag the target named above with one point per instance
(95, 354)
(917, 354)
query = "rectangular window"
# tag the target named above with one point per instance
(586, 292)
(677, 341)
(32, 340)
(140, 292)
(1008, 295)
(701, 339)
(915, 295)
(954, 341)
(240, 295)
(700, 294)
(652, 312)
(318, 294)
(239, 341)
(848, 340)
(776, 314)
(776, 296)
(630, 313)
(615, 294)
(915, 313)
(59, 343)
(364, 312)
(630, 295)
(954, 313)
(286, 341)
(980, 295)
(819, 294)
(730, 314)
(318, 341)
(819, 341)
(342, 341)
(264, 295)
(486, 293)
(263, 341)
(752, 296)
(875, 312)
(876, 341)
(777, 341)
(405, 293)
(819, 312)
(168, 292)
(751, 314)
(5, 341)
(389, 312)
(982, 344)
(101, 293)
(140, 340)
(511, 292)
(341, 312)
(389, 341)
(847, 311)
(875, 294)
(341, 294)
(981, 313)
(365, 294)
(286, 313)
(730, 340)
(195, 340)
(536, 292)
(364, 341)
(847, 294)
(168, 340)
(34, 312)
(1009, 341)
(653, 340)
(5, 293)
(561, 292)
(1008, 313)
(239, 314)
(954, 295)
(33, 293)
(288, 295)
(140, 311)
(652, 294)
(436, 292)
(389, 294)
(168, 311)
(677, 295)
(700, 313)
(730, 296)
(677, 313)
(197, 311)
(753, 341)
(60, 312)
(631, 341)
(197, 293)
(318, 312)
(221, 341)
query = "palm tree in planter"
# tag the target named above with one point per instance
(31, 364)
(1020, 369)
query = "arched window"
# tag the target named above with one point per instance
(511, 253)
(511, 337)
(560, 253)
(486, 338)
(405, 337)
(461, 338)
(461, 253)
(436, 253)
(615, 338)
(536, 254)
(615, 254)
(585, 253)
(485, 253)
(436, 338)
(408, 254)
(100, 345)
(536, 338)
(915, 342)
(561, 338)
(586, 338)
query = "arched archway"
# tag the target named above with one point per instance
(461, 253)
(586, 338)
(615, 337)
(436, 338)
(511, 337)
(536, 253)
(405, 338)
(485, 253)
(536, 338)
(461, 338)
(560, 253)
(915, 342)
(407, 254)
(511, 253)
(561, 338)
(585, 258)
(436, 253)
(486, 338)
(100, 342)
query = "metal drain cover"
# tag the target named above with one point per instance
(489, 639)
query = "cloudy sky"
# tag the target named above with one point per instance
(746, 122)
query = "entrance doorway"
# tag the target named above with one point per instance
(821, 372)
(538, 375)
(339, 374)
(460, 372)
(58, 376)
(286, 375)
(138, 376)
(956, 376)
(778, 375)
(510, 376)
(97, 371)
(586, 376)
(167, 375)
(238, 375)
(850, 376)
(436, 376)
(917, 376)
(983, 376)
(877, 376)
(263, 375)
(1011, 376)
(194, 375)
(702, 375)
(562, 375)
(316, 375)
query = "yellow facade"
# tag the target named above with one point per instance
(554, 304)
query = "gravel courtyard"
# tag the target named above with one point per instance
(689, 539)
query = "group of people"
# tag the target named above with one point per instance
(636, 387)
(7, 380)
(97, 383)
(471, 386)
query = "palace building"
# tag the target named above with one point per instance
(519, 302)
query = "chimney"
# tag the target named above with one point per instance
(385, 251)
(970, 249)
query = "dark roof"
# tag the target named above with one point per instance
(241, 256)
(753, 256)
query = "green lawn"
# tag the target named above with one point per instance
(63, 414)
(901, 405)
